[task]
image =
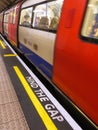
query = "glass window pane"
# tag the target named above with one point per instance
(11, 18)
(25, 18)
(90, 23)
(46, 16)
(40, 17)
(54, 11)
(5, 18)
(14, 15)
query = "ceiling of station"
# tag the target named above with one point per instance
(6, 3)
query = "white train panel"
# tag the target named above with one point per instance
(40, 42)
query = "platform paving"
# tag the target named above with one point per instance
(11, 114)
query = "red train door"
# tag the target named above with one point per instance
(13, 24)
(76, 61)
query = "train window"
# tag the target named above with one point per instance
(14, 15)
(6, 18)
(11, 18)
(6, 22)
(89, 29)
(46, 16)
(25, 18)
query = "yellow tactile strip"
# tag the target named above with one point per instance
(11, 115)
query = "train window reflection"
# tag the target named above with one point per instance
(6, 18)
(90, 24)
(46, 16)
(6, 22)
(25, 18)
(11, 16)
(14, 14)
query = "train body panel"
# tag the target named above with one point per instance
(40, 47)
(76, 61)
(33, 42)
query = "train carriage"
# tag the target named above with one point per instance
(37, 35)
(61, 39)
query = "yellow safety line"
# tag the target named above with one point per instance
(9, 55)
(2, 44)
(40, 109)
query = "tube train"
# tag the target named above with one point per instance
(61, 39)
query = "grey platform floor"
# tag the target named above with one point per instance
(11, 114)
